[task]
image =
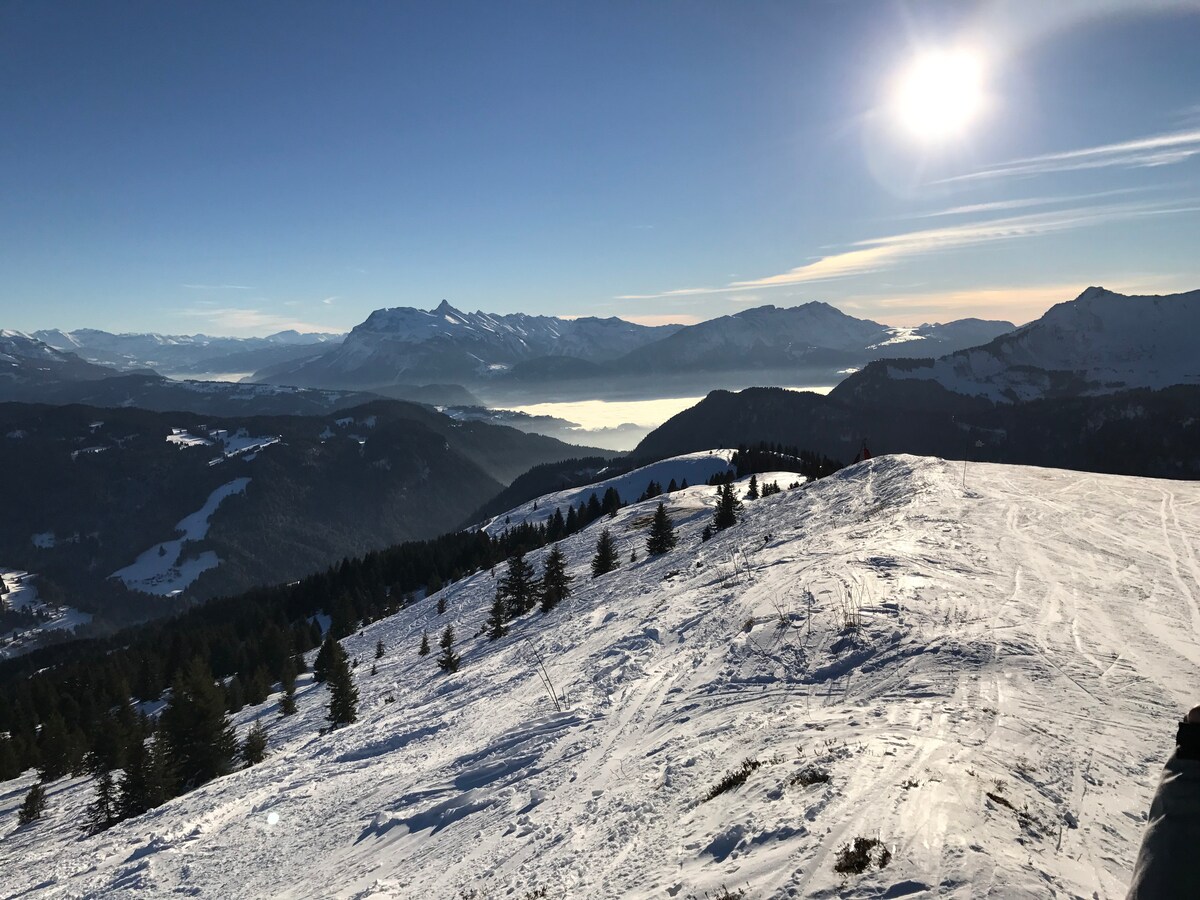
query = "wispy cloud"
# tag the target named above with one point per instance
(876, 254)
(1157, 150)
(239, 320)
(328, 301)
(1025, 203)
(217, 287)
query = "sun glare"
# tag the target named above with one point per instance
(940, 94)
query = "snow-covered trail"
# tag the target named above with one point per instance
(998, 718)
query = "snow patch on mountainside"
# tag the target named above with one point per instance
(984, 681)
(164, 569)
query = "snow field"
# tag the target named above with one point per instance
(988, 679)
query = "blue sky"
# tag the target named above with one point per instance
(240, 168)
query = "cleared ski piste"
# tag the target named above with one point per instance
(998, 720)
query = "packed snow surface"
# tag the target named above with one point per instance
(165, 569)
(988, 678)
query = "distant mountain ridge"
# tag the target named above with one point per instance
(519, 351)
(183, 354)
(1100, 342)
(403, 344)
(26, 361)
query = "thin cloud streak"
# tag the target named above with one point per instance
(1025, 203)
(217, 287)
(1159, 150)
(875, 254)
(236, 319)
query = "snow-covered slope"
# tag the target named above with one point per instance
(1099, 342)
(694, 468)
(997, 719)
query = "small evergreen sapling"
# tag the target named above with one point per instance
(287, 703)
(449, 660)
(752, 493)
(379, 649)
(423, 650)
(34, 805)
(254, 748)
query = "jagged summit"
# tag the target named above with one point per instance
(975, 679)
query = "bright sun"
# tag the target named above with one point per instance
(940, 94)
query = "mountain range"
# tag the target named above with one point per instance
(505, 355)
(186, 354)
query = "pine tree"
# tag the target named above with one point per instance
(9, 766)
(34, 805)
(101, 813)
(254, 748)
(571, 525)
(498, 617)
(235, 697)
(343, 695)
(199, 738)
(379, 649)
(424, 648)
(605, 559)
(662, 533)
(287, 680)
(517, 588)
(752, 493)
(706, 534)
(672, 487)
(321, 663)
(145, 783)
(449, 660)
(728, 506)
(683, 484)
(556, 583)
(441, 604)
(611, 502)
(53, 749)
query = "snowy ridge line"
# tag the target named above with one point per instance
(984, 681)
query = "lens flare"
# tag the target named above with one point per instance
(940, 94)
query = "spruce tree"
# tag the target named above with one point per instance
(423, 650)
(449, 660)
(611, 502)
(199, 738)
(102, 813)
(343, 695)
(498, 617)
(728, 506)
(53, 749)
(321, 663)
(517, 588)
(752, 493)
(34, 805)
(379, 649)
(556, 583)
(662, 533)
(254, 748)
(145, 783)
(605, 559)
(287, 703)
